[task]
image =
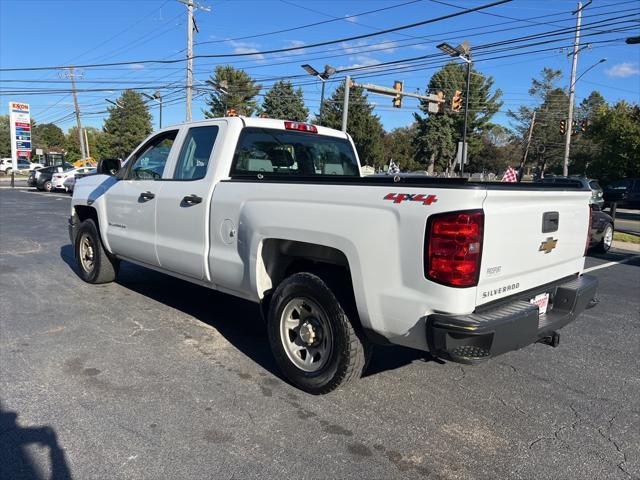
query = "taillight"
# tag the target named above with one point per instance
(301, 127)
(586, 247)
(454, 248)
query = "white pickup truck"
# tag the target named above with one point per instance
(277, 212)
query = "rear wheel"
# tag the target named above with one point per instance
(607, 239)
(312, 338)
(94, 263)
(48, 186)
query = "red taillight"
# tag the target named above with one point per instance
(301, 127)
(454, 248)
(586, 247)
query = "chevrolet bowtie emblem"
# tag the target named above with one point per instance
(548, 245)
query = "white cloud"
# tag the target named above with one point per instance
(420, 46)
(623, 70)
(361, 61)
(246, 47)
(386, 46)
(351, 19)
(136, 66)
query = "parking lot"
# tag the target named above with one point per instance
(153, 377)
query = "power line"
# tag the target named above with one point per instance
(278, 50)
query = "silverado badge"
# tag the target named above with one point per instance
(548, 245)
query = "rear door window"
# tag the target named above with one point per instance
(279, 152)
(195, 153)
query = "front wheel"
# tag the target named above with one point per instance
(94, 263)
(607, 239)
(313, 340)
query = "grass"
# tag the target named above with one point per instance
(625, 237)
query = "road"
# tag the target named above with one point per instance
(154, 378)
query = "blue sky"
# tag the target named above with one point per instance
(37, 33)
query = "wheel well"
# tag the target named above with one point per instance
(278, 259)
(84, 213)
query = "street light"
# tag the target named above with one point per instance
(158, 97)
(462, 51)
(324, 76)
(602, 60)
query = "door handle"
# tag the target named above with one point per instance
(192, 199)
(145, 196)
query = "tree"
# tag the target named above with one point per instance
(73, 145)
(447, 126)
(616, 132)
(127, 125)
(500, 149)
(282, 101)
(547, 143)
(5, 137)
(363, 126)
(233, 89)
(584, 147)
(47, 136)
(398, 146)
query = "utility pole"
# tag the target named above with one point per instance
(191, 26)
(466, 114)
(526, 149)
(72, 76)
(345, 104)
(572, 89)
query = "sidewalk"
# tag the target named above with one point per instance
(626, 246)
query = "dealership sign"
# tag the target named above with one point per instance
(20, 120)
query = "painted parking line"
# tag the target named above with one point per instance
(610, 264)
(47, 194)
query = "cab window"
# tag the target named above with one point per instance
(149, 161)
(196, 151)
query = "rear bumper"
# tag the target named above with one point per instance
(480, 336)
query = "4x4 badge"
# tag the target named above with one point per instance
(411, 197)
(548, 245)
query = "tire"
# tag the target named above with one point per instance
(94, 263)
(604, 245)
(48, 186)
(305, 316)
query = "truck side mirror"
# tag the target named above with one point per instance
(108, 166)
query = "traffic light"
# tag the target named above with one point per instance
(397, 100)
(456, 101)
(563, 127)
(440, 101)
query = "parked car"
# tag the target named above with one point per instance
(601, 230)
(278, 213)
(70, 181)
(6, 165)
(41, 178)
(593, 185)
(625, 192)
(58, 178)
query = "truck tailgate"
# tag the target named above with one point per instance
(531, 238)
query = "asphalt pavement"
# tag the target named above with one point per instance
(155, 378)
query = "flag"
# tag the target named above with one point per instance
(510, 175)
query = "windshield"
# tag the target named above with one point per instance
(277, 152)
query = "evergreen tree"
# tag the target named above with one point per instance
(233, 89)
(72, 145)
(126, 127)
(446, 127)
(398, 146)
(363, 126)
(282, 101)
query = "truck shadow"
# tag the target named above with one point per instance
(238, 321)
(15, 460)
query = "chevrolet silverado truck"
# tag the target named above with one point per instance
(278, 213)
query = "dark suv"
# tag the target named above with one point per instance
(625, 192)
(593, 185)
